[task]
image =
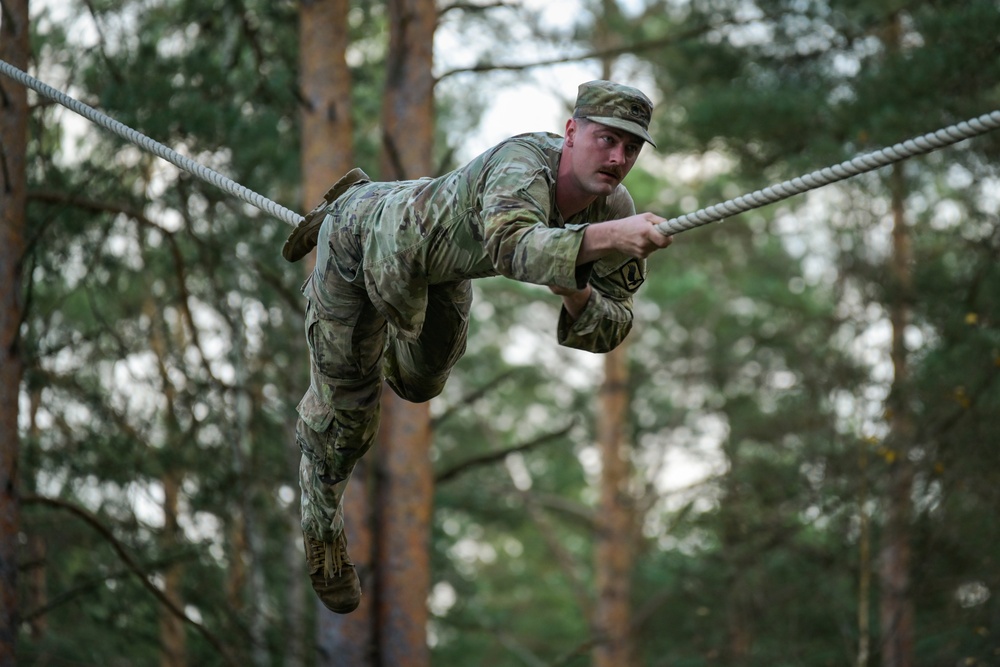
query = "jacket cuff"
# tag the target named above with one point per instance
(585, 324)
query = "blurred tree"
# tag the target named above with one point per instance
(327, 153)
(405, 490)
(779, 87)
(616, 529)
(758, 367)
(15, 49)
(154, 336)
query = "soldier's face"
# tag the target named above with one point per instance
(601, 155)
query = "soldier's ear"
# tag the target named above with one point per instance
(570, 135)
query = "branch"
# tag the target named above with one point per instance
(89, 585)
(472, 397)
(133, 566)
(253, 37)
(59, 197)
(292, 298)
(641, 616)
(183, 302)
(70, 383)
(649, 607)
(102, 40)
(472, 7)
(577, 651)
(563, 556)
(492, 457)
(577, 511)
(599, 54)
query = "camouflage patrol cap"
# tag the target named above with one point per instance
(615, 105)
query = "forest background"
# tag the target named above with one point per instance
(792, 461)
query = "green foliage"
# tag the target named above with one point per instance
(162, 341)
(780, 89)
(157, 327)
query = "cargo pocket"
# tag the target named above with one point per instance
(314, 433)
(315, 412)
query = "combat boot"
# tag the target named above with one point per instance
(332, 574)
(306, 233)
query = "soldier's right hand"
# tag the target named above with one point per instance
(637, 236)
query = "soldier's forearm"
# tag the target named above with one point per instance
(576, 301)
(598, 241)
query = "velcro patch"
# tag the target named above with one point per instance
(631, 275)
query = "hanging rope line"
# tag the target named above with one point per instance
(204, 173)
(859, 165)
(775, 193)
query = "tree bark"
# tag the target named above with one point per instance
(737, 604)
(896, 607)
(172, 639)
(615, 520)
(406, 486)
(14, 49)
(248, 545)
(408, 102)
(327, 154)
(406, 495)
(864, 565)
(350, 639)
(325, 85)
(616, 513)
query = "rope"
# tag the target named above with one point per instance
(204, 173)
(859, 165)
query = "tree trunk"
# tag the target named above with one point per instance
(406, 488)
(616, 514)
(350, 639)
(896, 606)
(615, 519)
(172, 638)
(734, 532)
(896, 609)
(864, 564)
(14, 48)
(408, 102)
(325, 84)
(236, 574)
(248, 546)
(327, 154)
(173, 647)
(406, 495)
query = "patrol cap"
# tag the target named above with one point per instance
(615, 105)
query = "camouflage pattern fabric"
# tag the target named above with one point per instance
(390, 295)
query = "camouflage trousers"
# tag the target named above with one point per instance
(352, 351)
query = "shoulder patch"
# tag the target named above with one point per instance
(631, 274)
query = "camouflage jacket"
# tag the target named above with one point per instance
(494, 216)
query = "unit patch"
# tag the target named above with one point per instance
(631, 275)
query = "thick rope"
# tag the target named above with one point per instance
(204, 173)
(859, 165)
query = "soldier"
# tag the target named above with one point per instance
(390, 295)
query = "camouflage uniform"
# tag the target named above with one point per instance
(390, 294)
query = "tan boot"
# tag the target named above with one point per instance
(332, 574)
(305, 235)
